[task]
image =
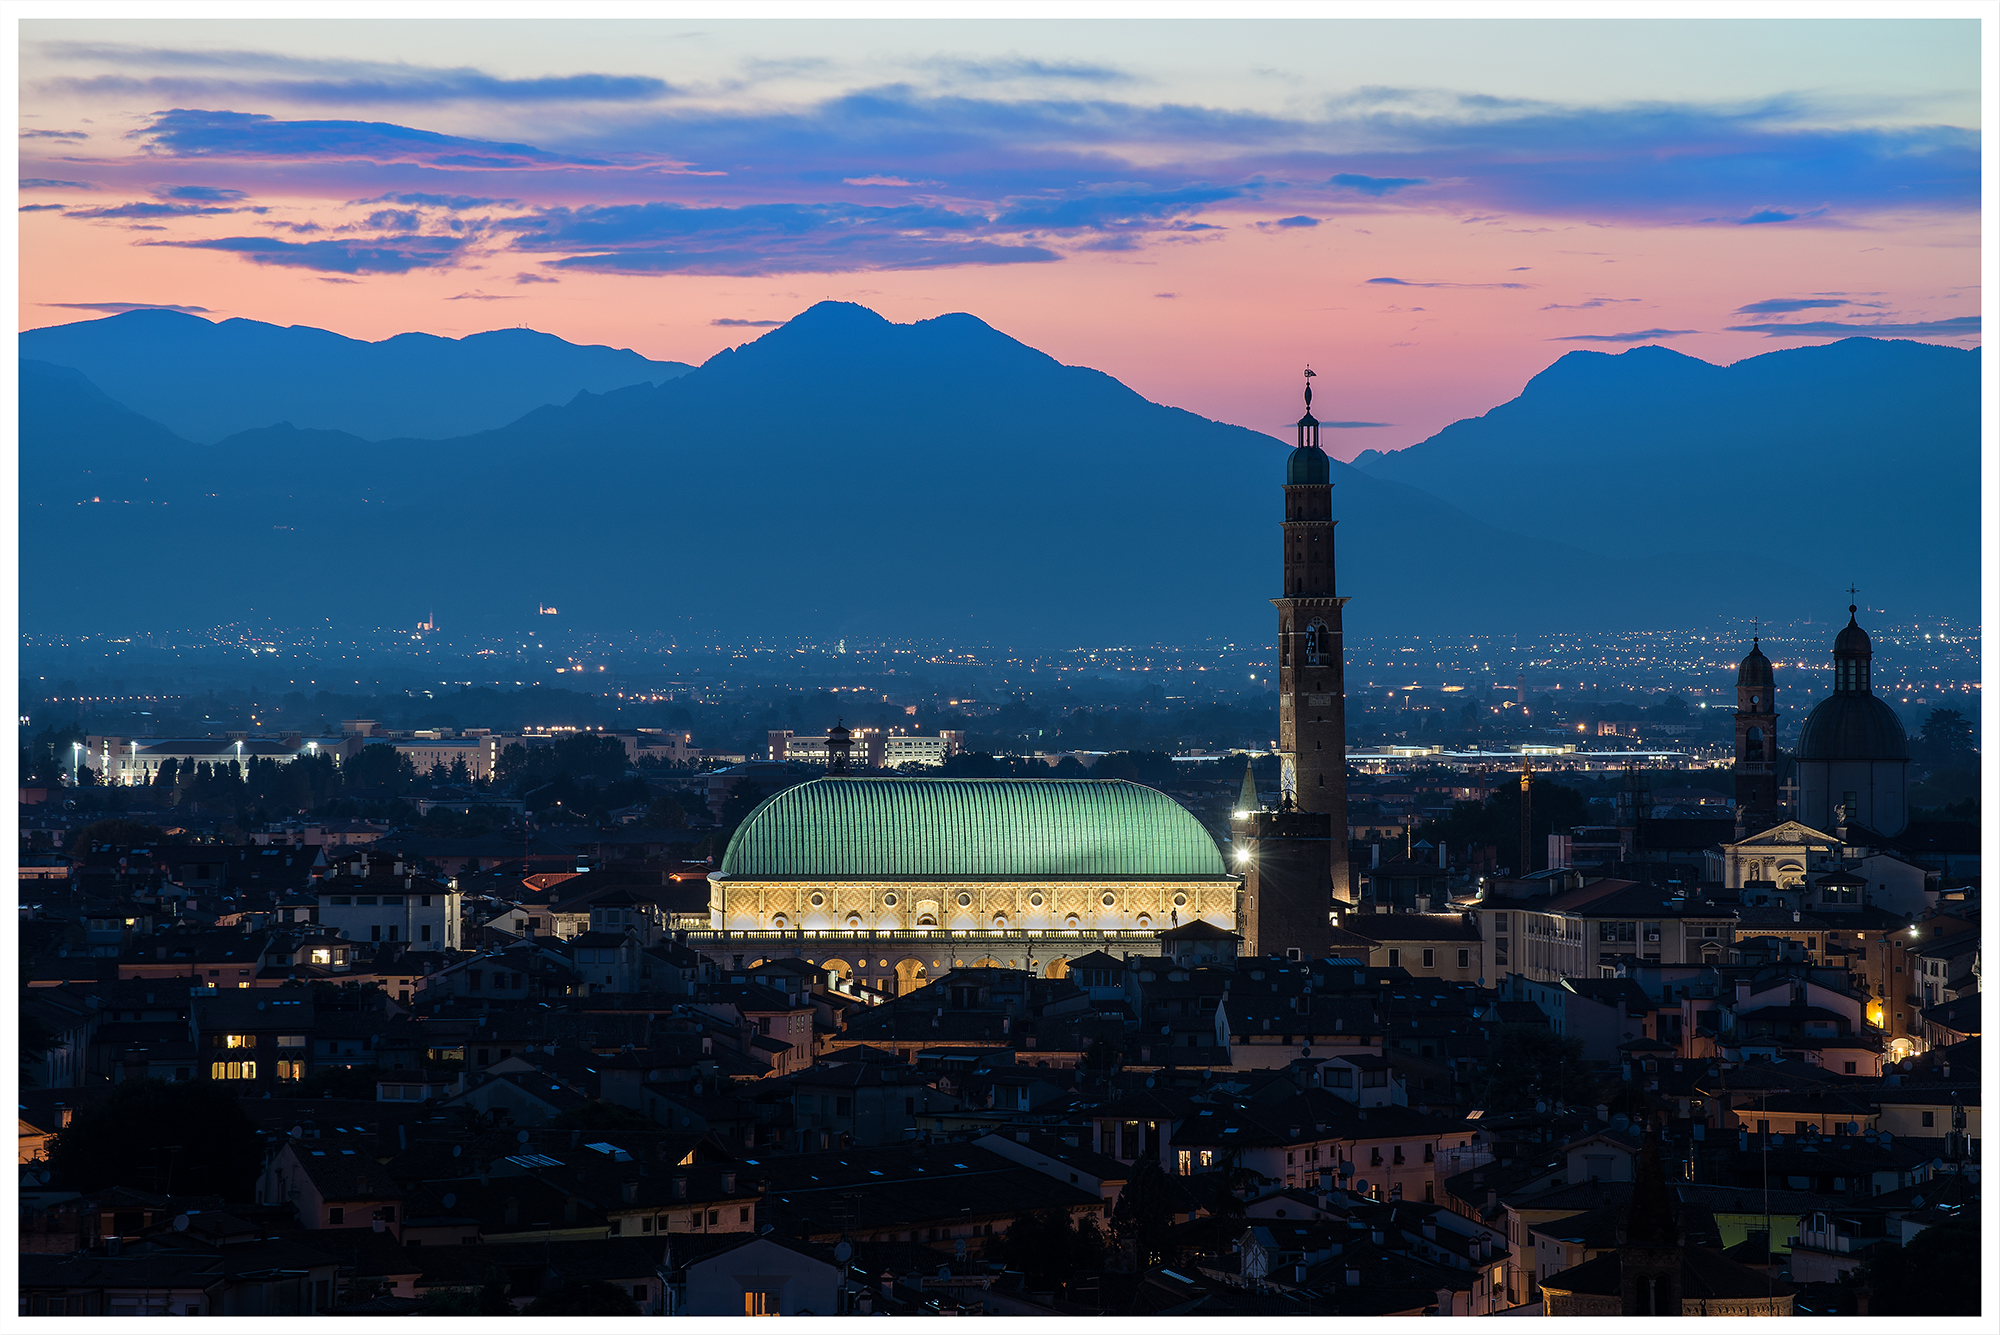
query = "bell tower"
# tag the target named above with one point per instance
(1756, 742)
(1312, 701)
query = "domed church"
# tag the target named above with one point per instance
(1853, 756)
(925, 874)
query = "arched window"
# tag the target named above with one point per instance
(1753, 744)
(1316, 644)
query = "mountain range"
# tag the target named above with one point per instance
(207, 379)
(847, 475)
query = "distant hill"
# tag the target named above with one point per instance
(841, 474)
(1857, 460)
(205, 380)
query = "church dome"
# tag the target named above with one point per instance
(1853, 726)
(1755, 669)
(1308, 467)
(971, 828)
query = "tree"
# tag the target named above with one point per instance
(185, 1138)
(583, 1297)
(667, 813)
(379, 766)
(1049, 1248)
(168, 775)
(1526, 1063)
(1935, 1274)
(1144, 1216)
(1946, 741)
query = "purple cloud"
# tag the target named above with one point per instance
(1639, 336)
(729, 323)
(120, 307)
(1785, 305)
(211, 193)
(383, 255)
(1376, 186)
(146, 209)
(44, 183)
(236, 134)
(1404, 282)
(1962, 326)
(328, 81)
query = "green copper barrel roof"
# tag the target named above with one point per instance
(975, 828)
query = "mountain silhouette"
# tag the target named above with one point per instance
(842, 474)
(1858, 460)
(205, 380)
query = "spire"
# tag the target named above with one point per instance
(1247, 799)
(1309, 425)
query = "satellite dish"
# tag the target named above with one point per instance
(522, 1137)
(180, 1223)
(1149, 1082)
(842, 1250)
(944, 1272)
(450, 1200)
(1541, 1106)
(455, 1150)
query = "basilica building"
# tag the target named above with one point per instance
(896, 878)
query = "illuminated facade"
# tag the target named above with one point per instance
(888, 880)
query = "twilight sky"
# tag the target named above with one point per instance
(1428, 211)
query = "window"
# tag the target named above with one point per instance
(392, 933)
(1430, 959)
(364, 899)
(424, 900)
(1430, 1154)
(759, 1302)
(236, 1041)
(232, 1071)
(1614, 931)
(336, 1215)
(1374, 1079)
(1465, 959)
(1930, 1119)
(424, 932)
(343, 899)
(743, 1214)
(291, 1070)
(393, 901)
(1849, 1070)
(1395, 957)
(714, 1217)
(375, 932)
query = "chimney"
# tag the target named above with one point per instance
(1374, 855)
(628, 1190)
(1353, 1277)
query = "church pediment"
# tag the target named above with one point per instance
(1789, 834)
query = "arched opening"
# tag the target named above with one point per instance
(927, 920)
(910, 975)
(986, 962)
(1316, 644)
(1753, 745)
(839, 968)
(1058, 968)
